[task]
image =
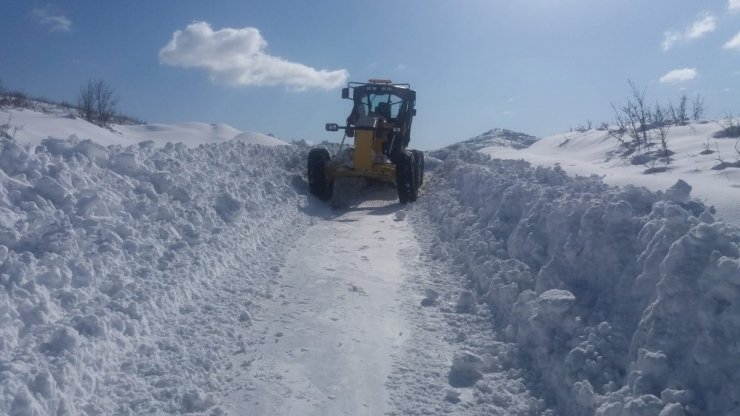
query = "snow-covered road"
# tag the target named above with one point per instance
(328, 336)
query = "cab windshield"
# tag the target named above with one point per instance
(375, 103)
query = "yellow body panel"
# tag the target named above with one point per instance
(364, 150)
(367, 144)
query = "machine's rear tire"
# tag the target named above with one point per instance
(319, 183)
(419, 167)
(406, 178)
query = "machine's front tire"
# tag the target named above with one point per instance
(319, 184)
(418, 167)
(406, 178)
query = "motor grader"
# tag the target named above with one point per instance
(380, 123)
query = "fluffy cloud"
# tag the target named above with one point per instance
(679, 75)
(733, 43)
(707, 23)
(669, 39)
(237, 57)
(702, 26)
(733, 5)
(51, 18)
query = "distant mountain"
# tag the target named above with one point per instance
(495, 137)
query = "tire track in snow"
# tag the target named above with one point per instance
(328, 336)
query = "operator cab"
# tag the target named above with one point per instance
(384, 102)
(381, 98)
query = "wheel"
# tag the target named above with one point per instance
(405, 178)
(318, 182)
(419, 167)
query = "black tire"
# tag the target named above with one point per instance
(419, 167)
(405, 178)
(318, 182)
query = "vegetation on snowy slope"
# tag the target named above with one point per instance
(96, 102)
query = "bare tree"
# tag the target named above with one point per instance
(697, 107)
(86, 101)
(641, 112)
(106, 102)
(730, 125)
(97, 101)
(681, 116)
(662, 124)
(633, 119)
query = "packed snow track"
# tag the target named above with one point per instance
(329, 332)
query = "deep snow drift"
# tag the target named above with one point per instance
(614, 301)
(127, 273)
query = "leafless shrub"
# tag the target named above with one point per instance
(633, 119)
(638, 126)
(97, 102)
(14, 99)
(730, 125)
(697, 107)
(662, 123)
(8, 130)
(679, 114)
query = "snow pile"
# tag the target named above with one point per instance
(492, 138)
(618, 301)
(128, 273)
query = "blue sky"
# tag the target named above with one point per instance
(535, 66)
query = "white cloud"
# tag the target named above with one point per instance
(733, 43)
(701, 27)
(733, 5)
(237, 57)
(679, 75)
(669, 39)
(707, 23)
(51, 18)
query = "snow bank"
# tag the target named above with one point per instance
(619, 301)
(127, 273)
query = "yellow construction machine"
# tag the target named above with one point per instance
(380, 123)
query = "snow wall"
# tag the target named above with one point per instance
(614, 301)
(125, 273)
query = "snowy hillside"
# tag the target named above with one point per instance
(146, 277)
(492, 138)
(35, 126)
(698, 152)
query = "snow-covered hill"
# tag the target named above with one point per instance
(698, 150)
(492, 138)
(31, 127)
(141, 276)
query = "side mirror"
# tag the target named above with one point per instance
(332, 127)
(345, 93)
